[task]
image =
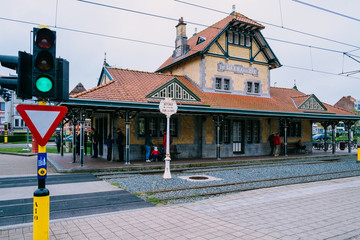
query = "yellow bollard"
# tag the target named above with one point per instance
(41, 214)
(358, 155)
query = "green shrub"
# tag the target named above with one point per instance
(15, 138)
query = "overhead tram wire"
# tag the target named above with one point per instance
(330, 11)
(204, 25)
(139, 12)
(273, 25)
(318, 71)
(327, 10)
(89, 33)
(164, 45)
(168, 46)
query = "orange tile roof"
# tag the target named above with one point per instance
(209, 34)
(134, 86)
(298, 100)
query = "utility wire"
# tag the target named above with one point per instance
(139, 12)
(199, 24)
(327, 10)
(274, 25)
(318, 71)
(87, 32)
(168, 46)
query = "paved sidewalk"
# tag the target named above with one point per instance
(318, 210)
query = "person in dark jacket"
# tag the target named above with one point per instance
(85, 143)
(109, 143)
(57, 141)
(271, 142)
(95, 141)
(119, 141)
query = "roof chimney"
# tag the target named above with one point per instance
(181, 46)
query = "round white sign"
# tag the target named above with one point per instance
(168, 106)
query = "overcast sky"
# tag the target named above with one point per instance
(85, 52)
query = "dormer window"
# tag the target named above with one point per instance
(200, 40)
(240, 39)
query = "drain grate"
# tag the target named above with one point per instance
(200, 178)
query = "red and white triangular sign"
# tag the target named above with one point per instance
(42, 120)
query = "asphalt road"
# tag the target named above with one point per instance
(71, 195)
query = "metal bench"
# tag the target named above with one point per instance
(173, 151)
(293, 146)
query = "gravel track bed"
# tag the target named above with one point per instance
(147, 184)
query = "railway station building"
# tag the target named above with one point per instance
(220, 79)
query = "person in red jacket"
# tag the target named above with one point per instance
(277, 144)
(155, 154)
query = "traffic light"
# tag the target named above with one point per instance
(11, 62)
(5, 94)
(44, 63)
(41, 75)
(62, 80)
(24, 81)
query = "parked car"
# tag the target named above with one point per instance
(320, 136)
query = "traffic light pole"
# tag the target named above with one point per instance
(41, 197)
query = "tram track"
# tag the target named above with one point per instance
(150, 186)
(113, 175)
(273, 182)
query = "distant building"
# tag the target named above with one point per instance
(78, 89)
(348, 103)
(9, 114)
(357, 106)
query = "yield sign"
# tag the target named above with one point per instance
(42, 120)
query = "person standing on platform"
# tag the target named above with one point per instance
(85, 143)
(119, 140)
(57, 141)
(77, 143)
(271, 142)
(109, 143)
(148, 144)
(277, 143)
(95, 141)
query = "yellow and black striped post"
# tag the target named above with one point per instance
(41, 214)
(6, 132)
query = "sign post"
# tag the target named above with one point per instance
(42, 121)
(167, 107)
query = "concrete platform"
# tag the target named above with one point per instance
(317, 210)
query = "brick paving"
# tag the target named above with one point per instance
(318, 210)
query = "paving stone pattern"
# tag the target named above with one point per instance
(318, 210)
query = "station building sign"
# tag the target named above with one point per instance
(238, 69)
